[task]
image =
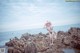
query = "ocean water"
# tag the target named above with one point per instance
(6, 36)
(69, 51)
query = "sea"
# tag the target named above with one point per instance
(6, 36)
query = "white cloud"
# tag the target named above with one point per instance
(39, 0)
(32, 16)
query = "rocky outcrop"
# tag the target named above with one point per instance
(30, 48)
(40, 43)
(75, 35)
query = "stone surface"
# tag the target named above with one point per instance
(30, 48)
(40, 43)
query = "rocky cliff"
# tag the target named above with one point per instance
(40, 43)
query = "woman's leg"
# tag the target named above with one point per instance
(51, 37)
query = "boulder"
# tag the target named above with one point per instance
(30, 48)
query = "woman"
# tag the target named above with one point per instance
(52, 34)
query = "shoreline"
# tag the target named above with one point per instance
(40, 43)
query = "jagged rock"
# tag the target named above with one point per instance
(9, 44)
(26, 36)
(10, 49)
(30, 48)
(16, 51)
(67, 40)
(61, 33)
(40, 43)
(73, 30)
(75, 37)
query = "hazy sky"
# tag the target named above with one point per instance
(28, 14)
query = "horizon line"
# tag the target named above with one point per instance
(37, 28)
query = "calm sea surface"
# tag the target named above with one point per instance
(5, 36)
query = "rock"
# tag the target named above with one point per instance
(60, 33)
(40, 43)
(9, 44)
(72, 30)
(16, 51)
(30, 48)
(66, 41)
(75, 42)
(26, 36)
(10, 49)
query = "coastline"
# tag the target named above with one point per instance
(40, 43)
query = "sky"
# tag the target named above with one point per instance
(29, 14)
